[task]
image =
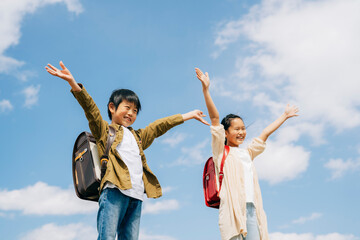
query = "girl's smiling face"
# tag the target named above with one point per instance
(236, 133)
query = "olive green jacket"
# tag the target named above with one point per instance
(117, 171)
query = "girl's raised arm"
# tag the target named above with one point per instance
(213, 112)
(290, 111)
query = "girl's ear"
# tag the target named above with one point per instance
(226, 133)
(112, 108)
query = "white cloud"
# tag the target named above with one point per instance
(24, 75)
(306, 52)
(174, 139)
(292, 132)
(228, 32)
(148, 236)
(12, 14)
(31, 94)
(42, 199)
(77, 231)
(339, 167)
(156, 206)
(281, 162)
(282, 159)
(167, 189)
(193, 155)
(303, 220)
(310, 236)
(5, 105)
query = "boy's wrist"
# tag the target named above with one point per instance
(76, 87)
(185, 116)
(72, 81)
(188, 115)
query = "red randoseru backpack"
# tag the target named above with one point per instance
(211, 190)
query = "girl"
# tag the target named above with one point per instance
(241, 214)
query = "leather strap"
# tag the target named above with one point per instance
(105, 158)
(221, 173)
(110, 140)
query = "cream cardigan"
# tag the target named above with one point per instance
(232, 211)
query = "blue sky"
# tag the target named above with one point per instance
(260, 55)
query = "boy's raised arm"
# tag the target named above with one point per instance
(290, 111)
(213, 112)
(64, 74)
(97, 125)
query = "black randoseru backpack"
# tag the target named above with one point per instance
(87, 168)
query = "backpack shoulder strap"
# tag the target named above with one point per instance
(221, 173)
(105, 158)
(110, 139)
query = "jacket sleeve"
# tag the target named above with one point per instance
(97, 125)
(158, 128)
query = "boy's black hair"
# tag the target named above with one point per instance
(119, 95)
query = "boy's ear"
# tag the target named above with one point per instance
(112, 108)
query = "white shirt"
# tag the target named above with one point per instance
(130, 154)
(245, 159)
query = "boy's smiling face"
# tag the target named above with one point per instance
(125, 114)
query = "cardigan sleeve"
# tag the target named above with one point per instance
(217, 142)
(256, 147)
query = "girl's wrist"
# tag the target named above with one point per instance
(285, 116)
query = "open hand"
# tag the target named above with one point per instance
(198, 115)
(291, 111)
(195, 114)
(204, 78)
(64, 73)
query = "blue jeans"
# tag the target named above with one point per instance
(118, 215)
(251, 224)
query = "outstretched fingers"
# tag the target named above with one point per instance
(199, 74)
(62, 65)
(200, 117)
(63, 73)
(292, 111)
(51, 69)
(204, 78)
(197, 70)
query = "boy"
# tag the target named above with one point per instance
(127, 176)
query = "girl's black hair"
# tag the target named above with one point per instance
(226, 122)
(120, 95)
